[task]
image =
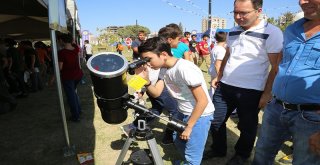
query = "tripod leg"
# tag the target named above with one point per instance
(124, 150)
(155, 152)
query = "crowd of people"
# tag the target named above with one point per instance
(254, 66)
(25, 68)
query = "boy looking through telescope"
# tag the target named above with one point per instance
(186, 84)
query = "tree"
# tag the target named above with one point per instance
(273, 21)
(285, 20)
(132, 30)
(106, 36)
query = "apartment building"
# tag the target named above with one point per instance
(216, 23)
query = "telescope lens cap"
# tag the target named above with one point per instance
(107, 65)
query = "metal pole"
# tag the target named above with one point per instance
(74, 26)
(68, 150)
(209, 16)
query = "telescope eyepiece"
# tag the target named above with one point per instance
(136, 64)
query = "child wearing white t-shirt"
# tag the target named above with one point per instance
(186, 84)
(217, 55)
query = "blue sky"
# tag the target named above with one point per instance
(155, 14)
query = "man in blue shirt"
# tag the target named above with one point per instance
(295, 109)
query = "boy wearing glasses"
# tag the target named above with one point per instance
(244, 80)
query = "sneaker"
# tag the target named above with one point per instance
(234, 115)
(212, 154)
(236, 160)
(286, 159)
(127, 128)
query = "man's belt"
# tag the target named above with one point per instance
(298, 107)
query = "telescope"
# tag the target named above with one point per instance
(136, 64)
(108, 71)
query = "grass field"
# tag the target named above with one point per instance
(33, 133)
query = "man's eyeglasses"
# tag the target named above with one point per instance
(242, 13)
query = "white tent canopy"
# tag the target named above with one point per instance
(72, 12)
(28, 19)
(24, 18)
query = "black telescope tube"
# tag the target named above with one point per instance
(108, 73)
(173, 124)
(136, 64)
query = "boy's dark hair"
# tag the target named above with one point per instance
(141, 31)
(186, 33)
(220, 36)
(256, 3)
(27, 43)
(10, 42)
(39, 44)
(66, 38)
(173, 25)
(193, 35)
(86, 41)
(155, 45)
(170, 31)
(205, 35)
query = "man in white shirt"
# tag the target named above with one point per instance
(244, 81)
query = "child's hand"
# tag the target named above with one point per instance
(143, 72)
(215, 82)
(185, 135)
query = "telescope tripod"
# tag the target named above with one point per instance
(141, 157)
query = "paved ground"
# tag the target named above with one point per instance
(33, 133)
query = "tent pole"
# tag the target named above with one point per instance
(68, 150)
(74, 28)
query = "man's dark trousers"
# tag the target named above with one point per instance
(246, 101)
